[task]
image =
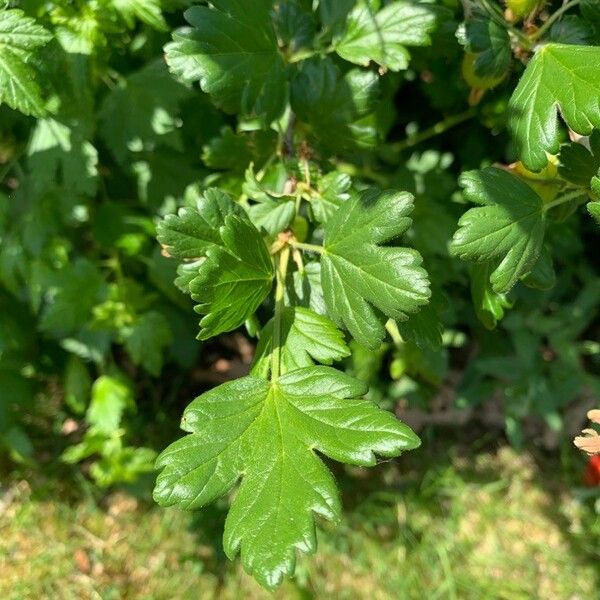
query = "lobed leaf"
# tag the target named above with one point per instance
(559, 77)
(233, 52)
(382, 36)
(509, 227)
(234, 279)
(363, 281)
(266, 432)
(305, 337)
(20, 36)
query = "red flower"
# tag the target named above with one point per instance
(591, 476)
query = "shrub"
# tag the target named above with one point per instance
(288, 205)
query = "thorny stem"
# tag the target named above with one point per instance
(553, 18)
(280, 275)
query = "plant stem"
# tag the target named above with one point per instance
(280, 275)
(307, 247)
(435, 130)
(554, 17)
(392, 329)
(565, 198)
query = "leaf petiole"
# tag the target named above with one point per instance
(565, 198)
(307, 247)
(280, 275)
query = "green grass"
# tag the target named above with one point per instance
(495, 525)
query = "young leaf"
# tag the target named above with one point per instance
(112, 395)
(272, 215)
(332, 191)
(305, 337)
(233, 280)
(147, 11)
(509, 227)
(362, 280)
(232, 50)
(266, 433)
(190, 233)
(382, 36)
(558, 77)
(19, 37)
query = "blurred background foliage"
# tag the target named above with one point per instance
(98, 353)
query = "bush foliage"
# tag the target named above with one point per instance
(387, 198)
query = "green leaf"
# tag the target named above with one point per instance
(571, 29)
(266, 433)
(146, 340)
(20, 36)
(338, 108)
(332, 192)
(154, 119)
(190, 233)
(305, 288)
(542, 276)
(112, 395)
(306, 337)
(147, 11)
(425, 328)
(273, 215)
(594, 210)
(382, 36)
(578, 164)
(590, 10)
(234, 151)
(509, 227)
(233, 52)
(233, 280)
(78, 289)
(364, 282)
(334, 13)
(491, 43)
(78, 384)
(59, 153)
(294, 26)
(489, 305)
(558, 77)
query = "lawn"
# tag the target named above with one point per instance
(496, 524)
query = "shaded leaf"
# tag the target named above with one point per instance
(509, 226)
(233, 52)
